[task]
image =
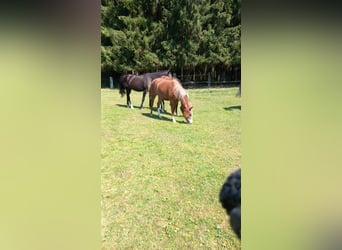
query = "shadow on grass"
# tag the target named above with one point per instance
(154, 116)
(233, 108)
(125, 106)
(138, 107)
(162, 117)
(184, 122)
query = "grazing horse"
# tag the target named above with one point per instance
(170, 89)
(138, 83)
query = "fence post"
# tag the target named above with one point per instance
(111, 82)
(209, 81)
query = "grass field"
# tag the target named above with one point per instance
(160, 180)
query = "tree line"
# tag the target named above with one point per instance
(189, 37)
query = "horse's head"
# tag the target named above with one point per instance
(187, 113)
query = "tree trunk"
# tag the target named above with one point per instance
(194, 75)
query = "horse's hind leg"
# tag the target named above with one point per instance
(159, 106)
(173, 107)
(151, 102)
(129, 104)
(176, 108)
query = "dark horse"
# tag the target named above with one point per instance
(138, 83)
(168, 88)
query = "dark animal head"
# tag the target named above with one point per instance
(230, 198)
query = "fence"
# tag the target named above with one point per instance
(188, 81)
(206, 82)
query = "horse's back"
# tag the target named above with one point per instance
(137, 83)
(163, 87)
(163, 82)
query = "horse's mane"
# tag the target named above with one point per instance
(178, 88)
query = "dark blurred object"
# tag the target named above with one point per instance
(230, 198)
(238, 94)
(325, 230)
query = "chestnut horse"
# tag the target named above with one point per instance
(170, 89)
(138, 83)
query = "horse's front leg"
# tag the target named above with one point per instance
(159, 106)
(143, 99)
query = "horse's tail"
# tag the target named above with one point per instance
(147, 81)
(122, 90)
(149, 84)
(152, 84)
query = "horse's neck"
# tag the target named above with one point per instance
(184, 101)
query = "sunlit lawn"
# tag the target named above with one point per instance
(161, 180)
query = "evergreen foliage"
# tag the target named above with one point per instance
(186, 36)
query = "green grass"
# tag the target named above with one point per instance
(160, 180)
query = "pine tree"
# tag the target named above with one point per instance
(187, 36)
